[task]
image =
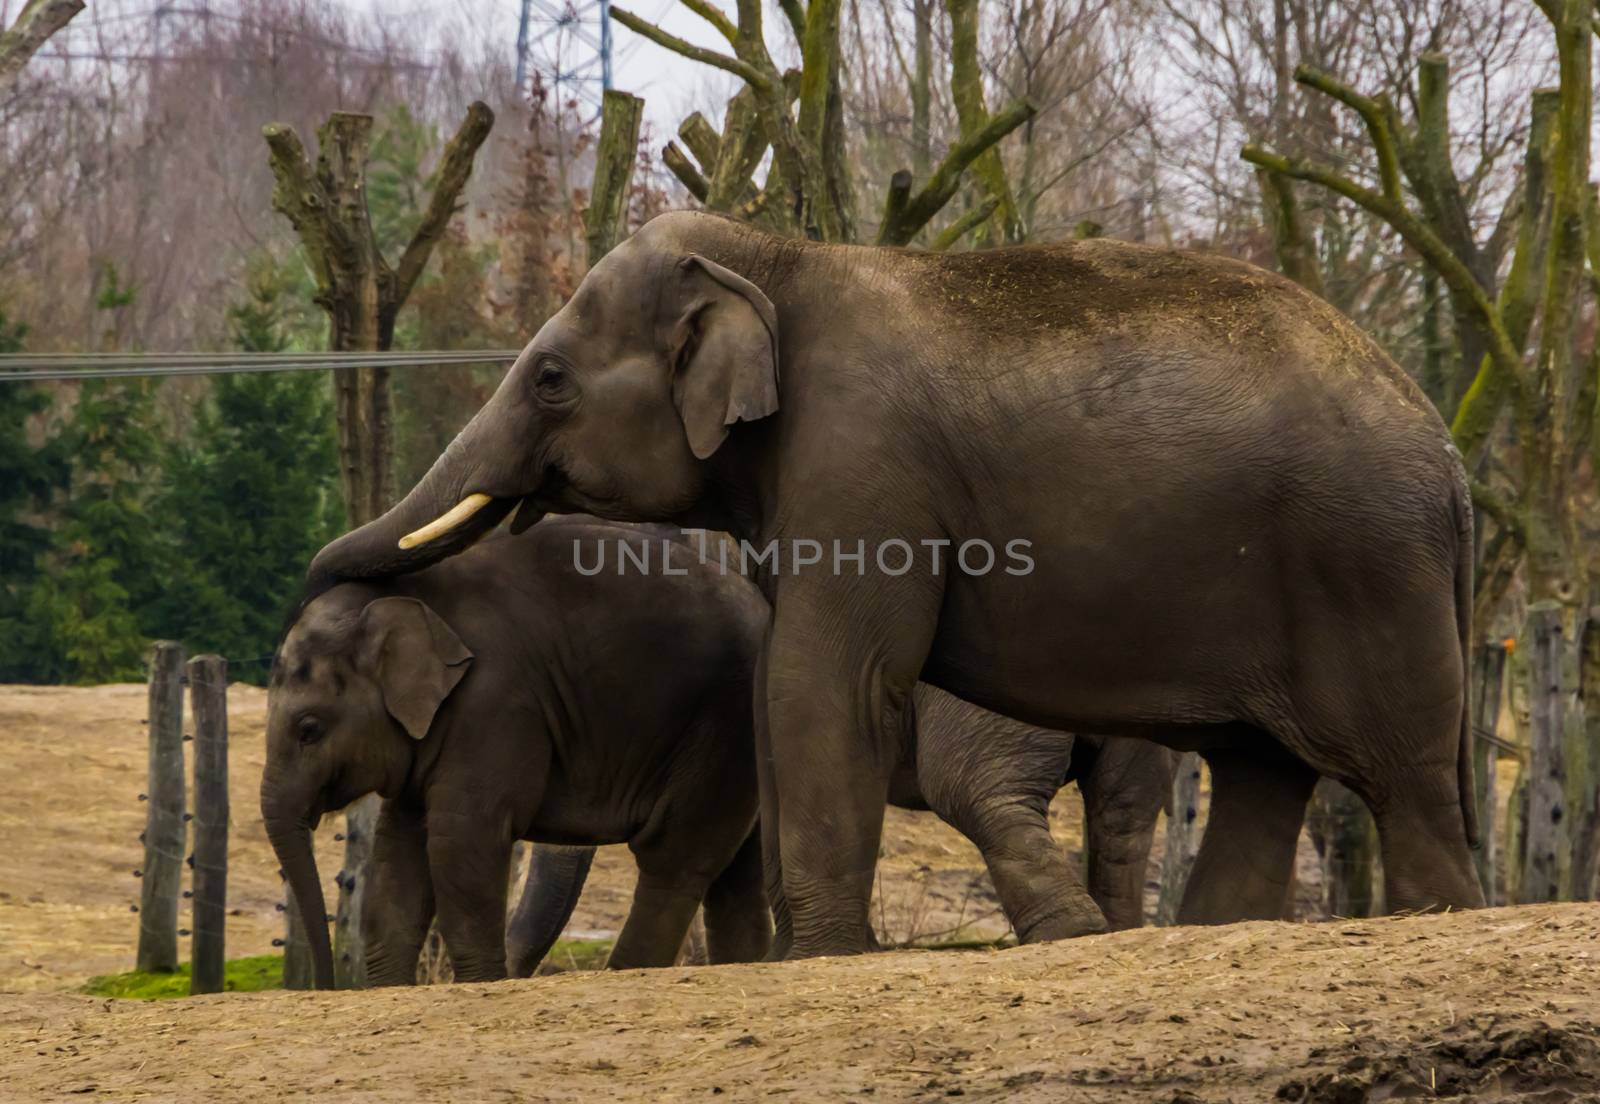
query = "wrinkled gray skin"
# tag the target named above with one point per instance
(992, 779)
(1251, 532)
(504, 696)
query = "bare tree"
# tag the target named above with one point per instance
(800, 115)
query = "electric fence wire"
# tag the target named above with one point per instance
(42, 367)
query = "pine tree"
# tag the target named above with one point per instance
(87, 612)
(107, 562)
(252, 495)
(31, 469)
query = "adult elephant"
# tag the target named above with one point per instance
(1248, 532)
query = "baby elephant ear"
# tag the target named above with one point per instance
(415, 658)
(724, 352)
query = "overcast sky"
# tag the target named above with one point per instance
(670, 85)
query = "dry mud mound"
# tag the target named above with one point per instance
(1497, 1004)
(1485, 1057)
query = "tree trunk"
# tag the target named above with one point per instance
(1297, 254)
(1547, 853)
(1488, 678)
(1583, 774)
(1346, 840)
(614, 156)
(966, 89)
(1183, 837)
(922, 90)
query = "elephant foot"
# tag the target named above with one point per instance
(1075, 918)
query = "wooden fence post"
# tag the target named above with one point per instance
(349, 948)
(163, 830)
(1546, 799)
(208, 700)
(298, 970)
(1183, 837)
(1488, 678)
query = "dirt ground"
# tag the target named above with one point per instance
(1501, 1003)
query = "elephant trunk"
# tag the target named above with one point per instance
(555, 880)
(457, 486)
(291, 842)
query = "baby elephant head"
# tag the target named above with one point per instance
(357, 682)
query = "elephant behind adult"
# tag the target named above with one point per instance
(1248, 532)
(990, 778)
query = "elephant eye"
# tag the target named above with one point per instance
(551, 381)
(310, 729)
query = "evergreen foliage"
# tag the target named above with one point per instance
(31, 470)
(250, 496)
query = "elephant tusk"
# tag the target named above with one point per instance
(438, 527)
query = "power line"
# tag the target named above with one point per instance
(23, 367)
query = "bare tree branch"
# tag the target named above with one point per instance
(39, 20)
(918, 209)
(678, 163)
(964, 225)
(455, 167)
(746, 72)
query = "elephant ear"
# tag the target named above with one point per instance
(415, 658)
(724, 348)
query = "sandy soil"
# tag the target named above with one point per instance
(1499, 1003)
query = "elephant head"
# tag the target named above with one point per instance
(355, 685)
(611, 409)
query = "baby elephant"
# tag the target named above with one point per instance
(504, 695)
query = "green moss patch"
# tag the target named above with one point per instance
(240, 975)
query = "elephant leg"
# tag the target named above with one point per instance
(842, 664)
(398, 906)
(664, 903)
(1043, 895)
(469, 879)
(549, 894)
(1124, 789)
(738, 923)
(1245, 866)
(1381, 710)
(767, 787)
(1422, 837)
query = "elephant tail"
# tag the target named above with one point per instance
(1463, 588)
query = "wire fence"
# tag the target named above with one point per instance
(48, 367)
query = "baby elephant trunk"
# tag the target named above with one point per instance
(555, 881)
(291, 841)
